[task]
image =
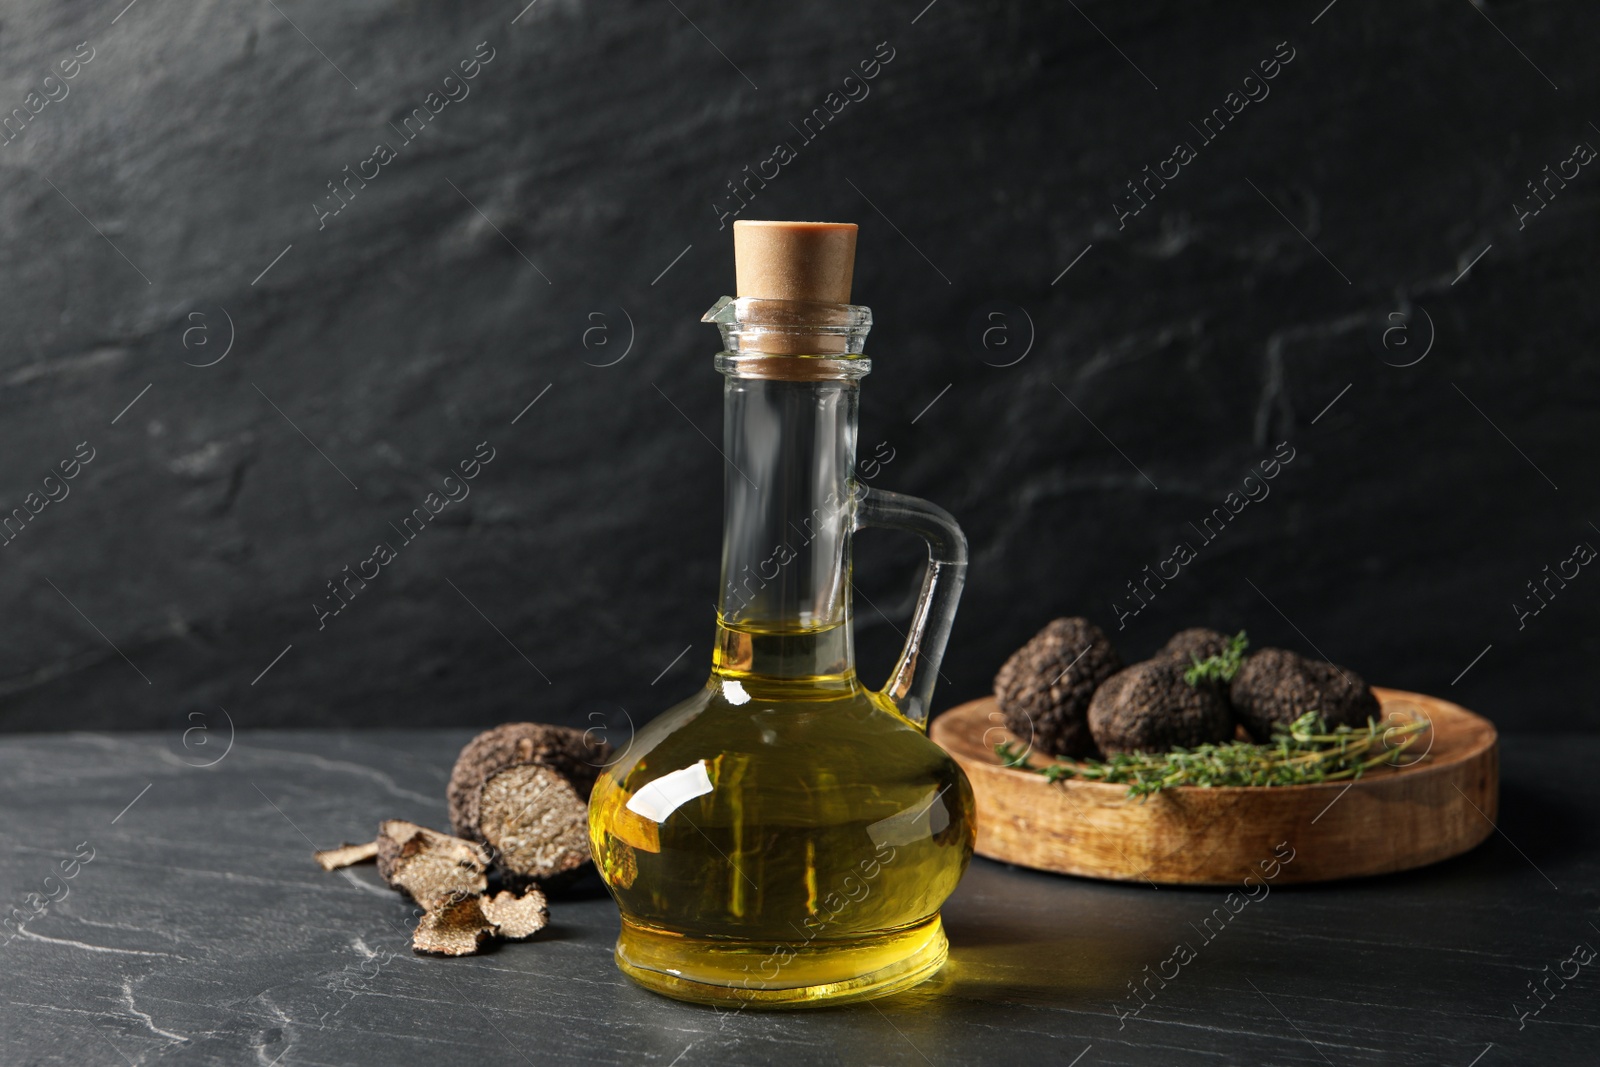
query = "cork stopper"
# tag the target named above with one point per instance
(799, 262)
(809, 261)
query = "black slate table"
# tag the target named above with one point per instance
(202, 932)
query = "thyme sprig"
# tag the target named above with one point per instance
(1305, 752)
(1221, 667)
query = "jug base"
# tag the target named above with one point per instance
(763, 975)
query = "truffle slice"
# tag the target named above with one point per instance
(517, 917)
(331, 859)
(455, 928)
(1044, 689)
(1276, 686)
(1196, 643)
(459, 926)
(432, 868)
(1150, 708)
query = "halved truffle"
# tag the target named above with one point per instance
(1044, 689)
(523, 789)
(1276, 686)
(1150, 708)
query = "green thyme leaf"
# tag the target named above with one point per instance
(1221, 667)
(1306, 751)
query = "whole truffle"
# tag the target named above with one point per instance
(1278, 686)
(1150, 708)
(1198, 642)
(1045, 687)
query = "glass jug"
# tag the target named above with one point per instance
(786, 836)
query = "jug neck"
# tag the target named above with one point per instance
(789, 441)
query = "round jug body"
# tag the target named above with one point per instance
(781, 847)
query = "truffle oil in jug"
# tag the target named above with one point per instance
(786, 835)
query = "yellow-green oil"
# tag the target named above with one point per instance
(802, 849)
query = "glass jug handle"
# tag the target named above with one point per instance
(910, 686)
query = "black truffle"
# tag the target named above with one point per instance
(523, 789)
(1278, 686)
(1197, 642)
(1150, 708)
(1045, 687)
(429, 867)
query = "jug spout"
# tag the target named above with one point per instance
(806, 333)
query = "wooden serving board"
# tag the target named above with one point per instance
(1392, 819)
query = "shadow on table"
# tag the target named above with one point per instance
(1032, 938)
(1023, 937)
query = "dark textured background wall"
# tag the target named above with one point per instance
(168, 204)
